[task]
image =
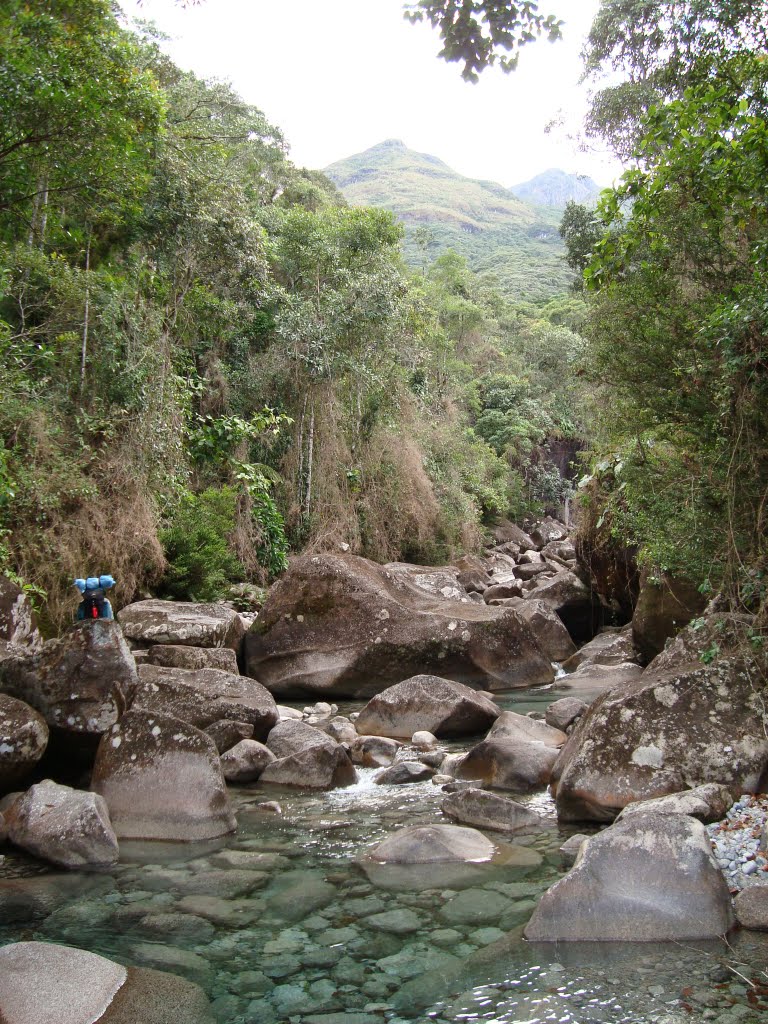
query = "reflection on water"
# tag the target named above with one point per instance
(279, 924)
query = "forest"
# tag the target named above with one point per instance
(210, 361)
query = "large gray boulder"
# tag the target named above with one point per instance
(374, 751)
(663, 734)
(751, 906)
(490, 810)
(178, 656)
(162, 779)
(245, 761)
(23, 739)
(440, 706)
(651, 878)
(548, 628)
(44, 983)
(612, 647)
(511, 726)
(562, 714)
(80, 682)
(65, 826)
(315, 767)
(205, 696)
(342, 625)
(290, 736)
(182, 623)
(511, 764)
(708, 803)
(573, 601)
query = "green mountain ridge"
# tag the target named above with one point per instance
(499, 234)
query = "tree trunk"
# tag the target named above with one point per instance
(86, 319)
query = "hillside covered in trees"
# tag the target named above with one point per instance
(501, 235)
(210, 359)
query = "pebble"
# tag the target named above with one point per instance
(736, 842)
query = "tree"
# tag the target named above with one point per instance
(485, 33)
(78, 114)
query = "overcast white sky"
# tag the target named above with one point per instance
(338, 76)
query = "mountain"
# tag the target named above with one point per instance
(555, 188)
(497, 232)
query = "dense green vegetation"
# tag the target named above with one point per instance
(514, 244)
(209, 359)
(675, 263)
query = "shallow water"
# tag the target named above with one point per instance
(279, 924)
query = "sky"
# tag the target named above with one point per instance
(339, 76)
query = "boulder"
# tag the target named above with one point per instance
(569, 851)
(23, 739)
(547, 626)
(751, 906)
(565, 594)
(162, 779)
(205, 696)
(374, 751)
(611, 647)
(651, 878)
(424, 740)
(511, 726)
(511, 764)
(403, 772)
(534, 571)
(559, 549)
(561, 714)
(315, 767)
(663, 607)
(708, 803)
(341, 730)
(440, 581)
(341, 625)
(64, 826)
(502, 591)
(245, 761)
(290, 736)
(594, 679)
(507, 533)
(432, 844)
(474, 580)
(80, 682)
(664, 733)
(548, 531)
(490, 810)
(182, 623)
(226, 733)
(177, 656)
(44, 983)
(440, 706)
(18, 622)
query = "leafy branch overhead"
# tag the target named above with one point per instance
(486, 33)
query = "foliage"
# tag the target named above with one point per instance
(200, 563)
(484, 33)
(679, 323)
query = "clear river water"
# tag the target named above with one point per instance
(279, 923)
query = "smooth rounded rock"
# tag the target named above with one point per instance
(651, 878)
(162, 779)
(440, 706)
(403, 772)
(509, 764)
(751, 906)
(42, 983)
(482, 809)
(65, 826)
(246, 761)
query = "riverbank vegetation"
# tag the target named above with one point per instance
(208, 359)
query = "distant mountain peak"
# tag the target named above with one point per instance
(496, 231)
(555, 187)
